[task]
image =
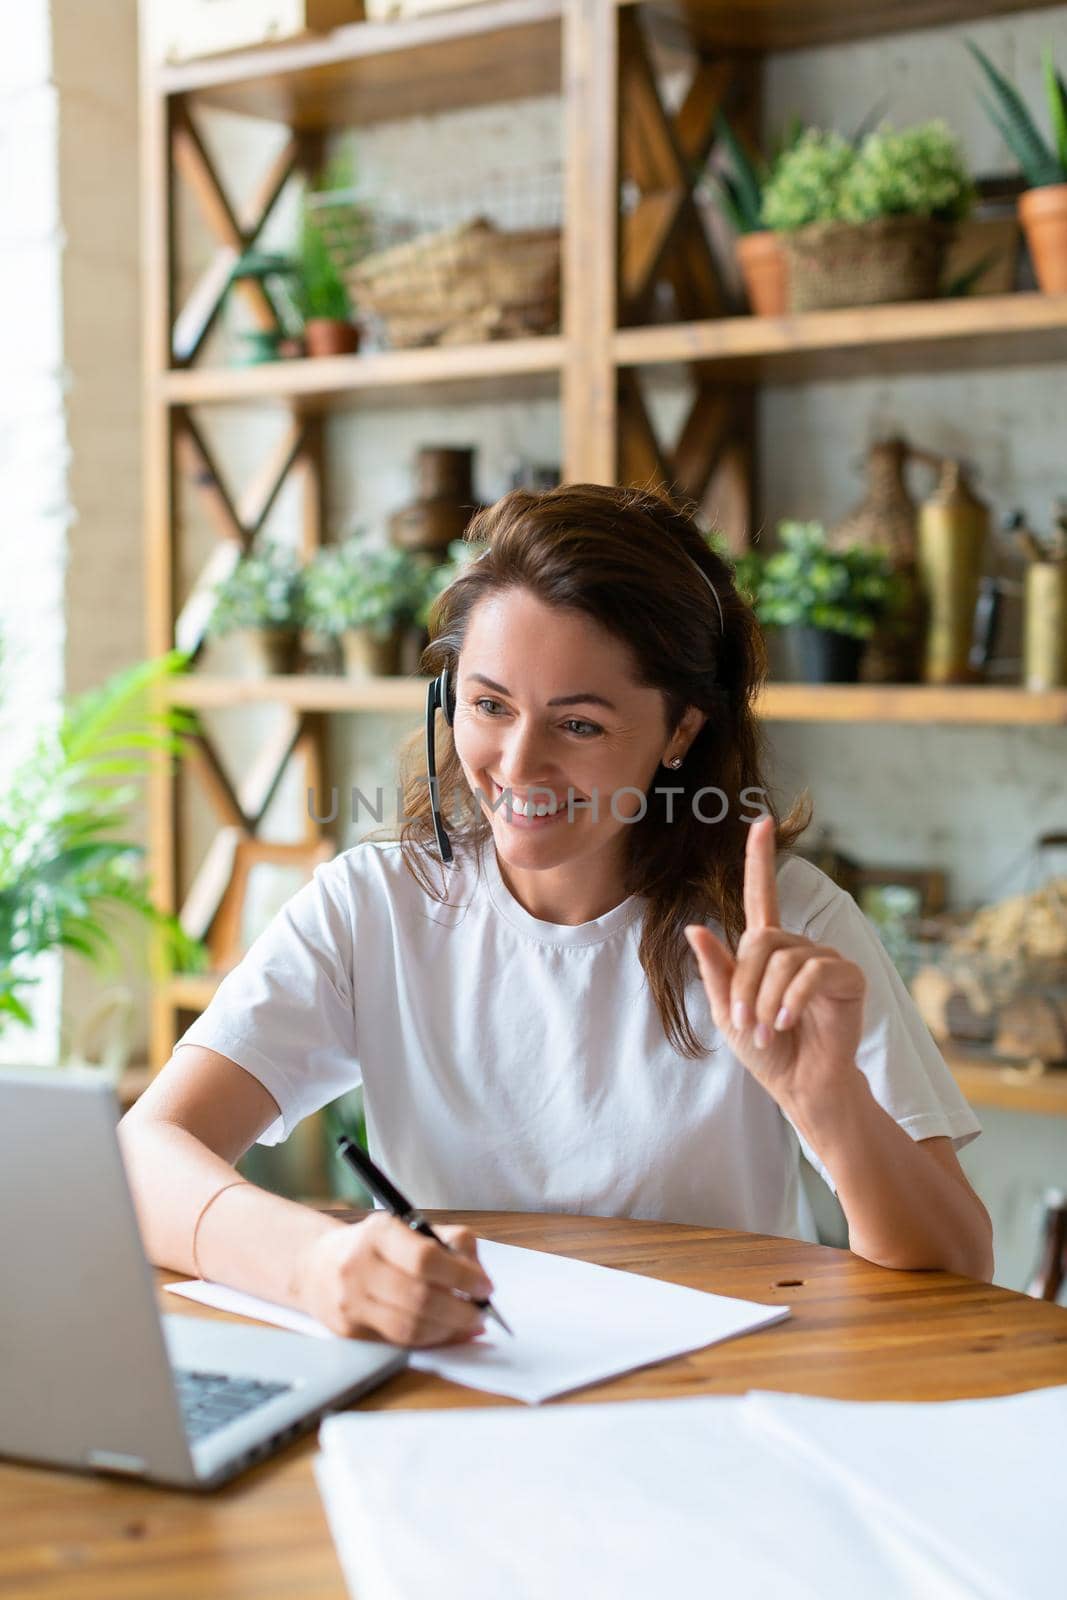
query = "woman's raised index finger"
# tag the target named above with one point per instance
(761, 890)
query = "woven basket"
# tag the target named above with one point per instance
(833, 264)
(471, 282)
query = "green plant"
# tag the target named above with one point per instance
(1041, 163)
(806, 184)
(264, 590)
(461, 552)
(357, 586)
(807, 584)
(320, 288)
(65, 869)
(916, 172)
(739, 191)
(826, 178)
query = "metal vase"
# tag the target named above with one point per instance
(1045, 625)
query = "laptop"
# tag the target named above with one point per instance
(92, 1377)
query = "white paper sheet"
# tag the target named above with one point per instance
(609, 1501)
(575, 1324)
(979, 1483)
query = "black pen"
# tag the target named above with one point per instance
(397, 1206)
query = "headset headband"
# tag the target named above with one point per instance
(696, 568)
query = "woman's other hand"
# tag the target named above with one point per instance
(789, 1009)
(376, 1279)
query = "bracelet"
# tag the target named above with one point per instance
(237, 1183)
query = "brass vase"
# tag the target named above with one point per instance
(1045, 625)
(953, 536)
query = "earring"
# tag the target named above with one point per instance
(675, 762)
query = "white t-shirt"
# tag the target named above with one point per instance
(518, 1065)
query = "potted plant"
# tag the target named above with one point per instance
(828, 600)
(365, 597)
(263, 598)
(322, 297)
(65, 868)
(870, 223)
(1043, 206)
(739, 192)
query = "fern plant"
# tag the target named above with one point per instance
(1042, 163)
(66, 872)
(320, 289)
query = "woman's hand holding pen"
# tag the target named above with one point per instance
(378, 1279)
(789, 1009)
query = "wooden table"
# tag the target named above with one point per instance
(857, 1332)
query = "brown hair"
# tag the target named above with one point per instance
(616, 556)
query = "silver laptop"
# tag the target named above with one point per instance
(91, 1376)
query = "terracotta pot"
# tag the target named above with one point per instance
(1043, 214)
(326, 336)
(367, 655)
(766, 273)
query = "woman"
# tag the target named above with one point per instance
(529, 1024)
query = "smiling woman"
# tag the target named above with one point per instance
(616, 999)
(597, 600)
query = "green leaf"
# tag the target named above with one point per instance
(1057, 103)
(1016, 124)
(967, 280)
(747, 183)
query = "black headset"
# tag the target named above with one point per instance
(440, 695)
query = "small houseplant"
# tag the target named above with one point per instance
(829, 601)
(66, 870)
(322, 297)
(365, 597)
(739, 192)
(867, 224)
(263, 598)
(1043, 206)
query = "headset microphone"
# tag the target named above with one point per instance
(439, 696)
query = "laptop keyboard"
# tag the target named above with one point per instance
(210, 1400)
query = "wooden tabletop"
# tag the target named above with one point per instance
(857, 1332)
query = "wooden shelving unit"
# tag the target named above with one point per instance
(616, 262)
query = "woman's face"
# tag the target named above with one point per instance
(548, 708)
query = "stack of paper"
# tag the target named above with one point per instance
(754, 1498)
(574, 1323)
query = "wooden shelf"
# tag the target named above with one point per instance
(509, 50)
(781, 702)
(192, 991)
(990, 706)
(382, 71)
(759, 25)
(308, 693)
(990, 330)
(928, 336)
(1008, 1088)
(506, 368)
